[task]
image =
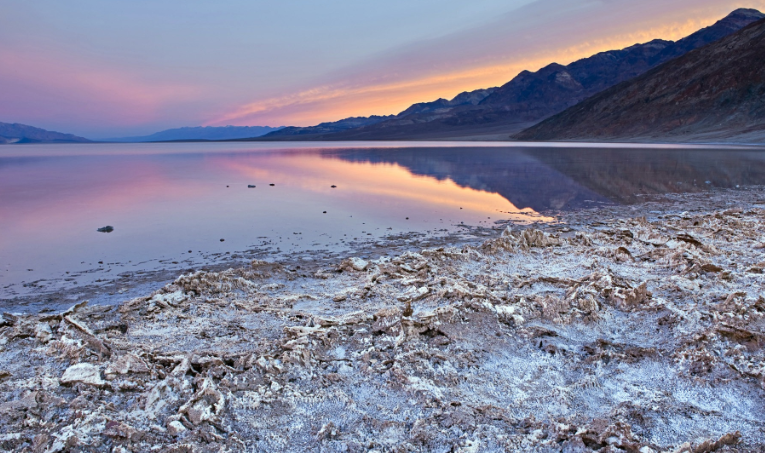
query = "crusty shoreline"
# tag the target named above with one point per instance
(58, 294)
(629, 329)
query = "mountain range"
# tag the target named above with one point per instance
(530, 97)
(21, 133)
(707, 86)
(468, 98)
(300, 133)
(712, 93)
(200, 133)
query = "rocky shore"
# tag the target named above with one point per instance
(636, 329)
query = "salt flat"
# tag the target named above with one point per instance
(621, 329)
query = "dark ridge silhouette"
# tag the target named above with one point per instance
(713, 93)
(528, 98)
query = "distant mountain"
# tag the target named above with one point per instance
(304, 133)
(201, 133)
(714, 92)
(531, 97)
(468, 98)
(21, 133)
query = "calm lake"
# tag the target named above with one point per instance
(171, 204)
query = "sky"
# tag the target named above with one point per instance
(105, 69)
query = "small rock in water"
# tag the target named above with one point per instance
(222, 240)
(324, 212)
(333, 186)
(249, 186)
(106, 229)
(272, 185)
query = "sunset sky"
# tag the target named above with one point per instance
(107, 69)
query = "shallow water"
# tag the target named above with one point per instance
(166, 200)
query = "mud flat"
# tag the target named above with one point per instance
(635, 329)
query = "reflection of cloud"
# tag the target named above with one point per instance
(490, 55)
(99, 190)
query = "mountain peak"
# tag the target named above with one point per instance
(710, 94)
(741, 18)
(529, 97)
(21, 133)
(746, 12)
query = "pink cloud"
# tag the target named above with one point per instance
(44, 88)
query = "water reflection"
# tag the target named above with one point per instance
(367, 184)
(620, 174)
(171, 210)
(542, 179)
(167, 200)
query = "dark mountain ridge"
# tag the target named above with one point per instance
(711, 93)
(299, 133)
(531, 96)
(21, 133)
(466, 98)
(556, 87)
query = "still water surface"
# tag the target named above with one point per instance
(166, 200)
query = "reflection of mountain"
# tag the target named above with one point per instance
(619, 174)
(520, 178)
(561, 179)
